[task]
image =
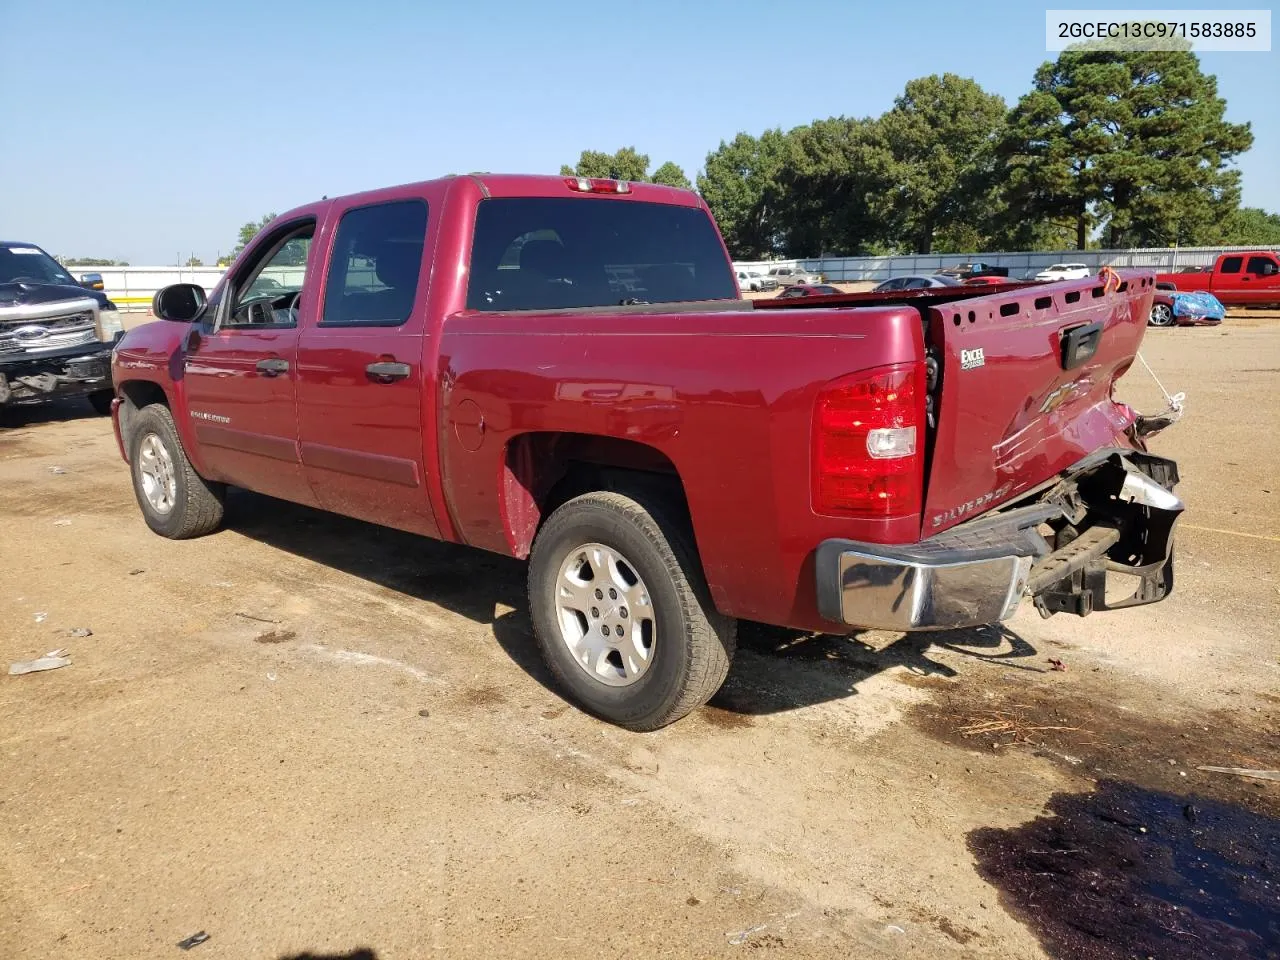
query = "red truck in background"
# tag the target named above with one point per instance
(1249, 278)
(563, 369)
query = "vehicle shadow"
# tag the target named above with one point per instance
(775, 670)
(55, 411)
(362, 953)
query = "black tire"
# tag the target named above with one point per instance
(694, 644)
(101, 402)
(1161, 315)
(197, 503)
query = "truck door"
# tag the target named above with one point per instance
(360, 368)
(1260, 282)
(239, 375)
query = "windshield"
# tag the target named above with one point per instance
(547, 253)
(31, 263)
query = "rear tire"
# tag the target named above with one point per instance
(645, 557)
(1161, 315)
(101, 401)
(176, 501)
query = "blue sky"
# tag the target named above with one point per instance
(149, 131)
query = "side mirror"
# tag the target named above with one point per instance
(92, 281)
(180, 302)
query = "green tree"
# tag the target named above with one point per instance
(1251, 227)
(740, 183)
(830, 189)
(671, 175)
(247, 232)
(626, 164)
(91, 262)
(941, 134)
(1131, 141)
(195, 262)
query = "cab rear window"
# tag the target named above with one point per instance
(546, 253)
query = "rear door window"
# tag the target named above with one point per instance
(374, 272)
(1232, 264)
(547, 253)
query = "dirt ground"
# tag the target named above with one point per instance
(310, 737)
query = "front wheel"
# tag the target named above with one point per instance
(1161, 315)
(621, 612)
(176, 501)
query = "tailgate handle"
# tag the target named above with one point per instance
(1079, 344)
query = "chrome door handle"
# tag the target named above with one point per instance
(386, 371)
(272, 366)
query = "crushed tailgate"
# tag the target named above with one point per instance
(1024, 388)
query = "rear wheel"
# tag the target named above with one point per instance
(621, 613)
(176, 501)
(1161, 315)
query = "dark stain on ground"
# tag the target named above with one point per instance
(483, 696)
(274, 636)
(1126, 872)
(1091, 734)
(725, 719)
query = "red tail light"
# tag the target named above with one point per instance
(868, 443)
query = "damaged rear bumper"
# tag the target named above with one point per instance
(72, 373)
(1113, 514)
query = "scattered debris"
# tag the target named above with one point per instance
(135, 572)
(1057, 664)
(41, 617)
(271, 677)
(58, 470)
(80, 632)
(64, 522)
(742, 936)
(50, 661)
(693, 901)
(894, 928)
(250, 616)
(1244, 772)
(424, 713)
(193, 941)
(1003, 722)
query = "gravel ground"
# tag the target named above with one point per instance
(311, 737)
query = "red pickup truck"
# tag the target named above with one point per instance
(1250, 278)
(563, 370)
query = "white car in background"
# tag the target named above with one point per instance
(1063, 271)
(755, 280)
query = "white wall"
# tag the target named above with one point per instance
(844, 269)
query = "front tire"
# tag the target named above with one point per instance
(176, 501)
(621, 613)
(1161, 315)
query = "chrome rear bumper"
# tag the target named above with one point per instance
(1108, 516)
(880, 588)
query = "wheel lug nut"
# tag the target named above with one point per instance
(613, 594)
(599, 595)
(622, 612)
(605, 631)
(595, 613)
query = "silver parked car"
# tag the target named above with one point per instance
(916, 283)
(793, 275)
